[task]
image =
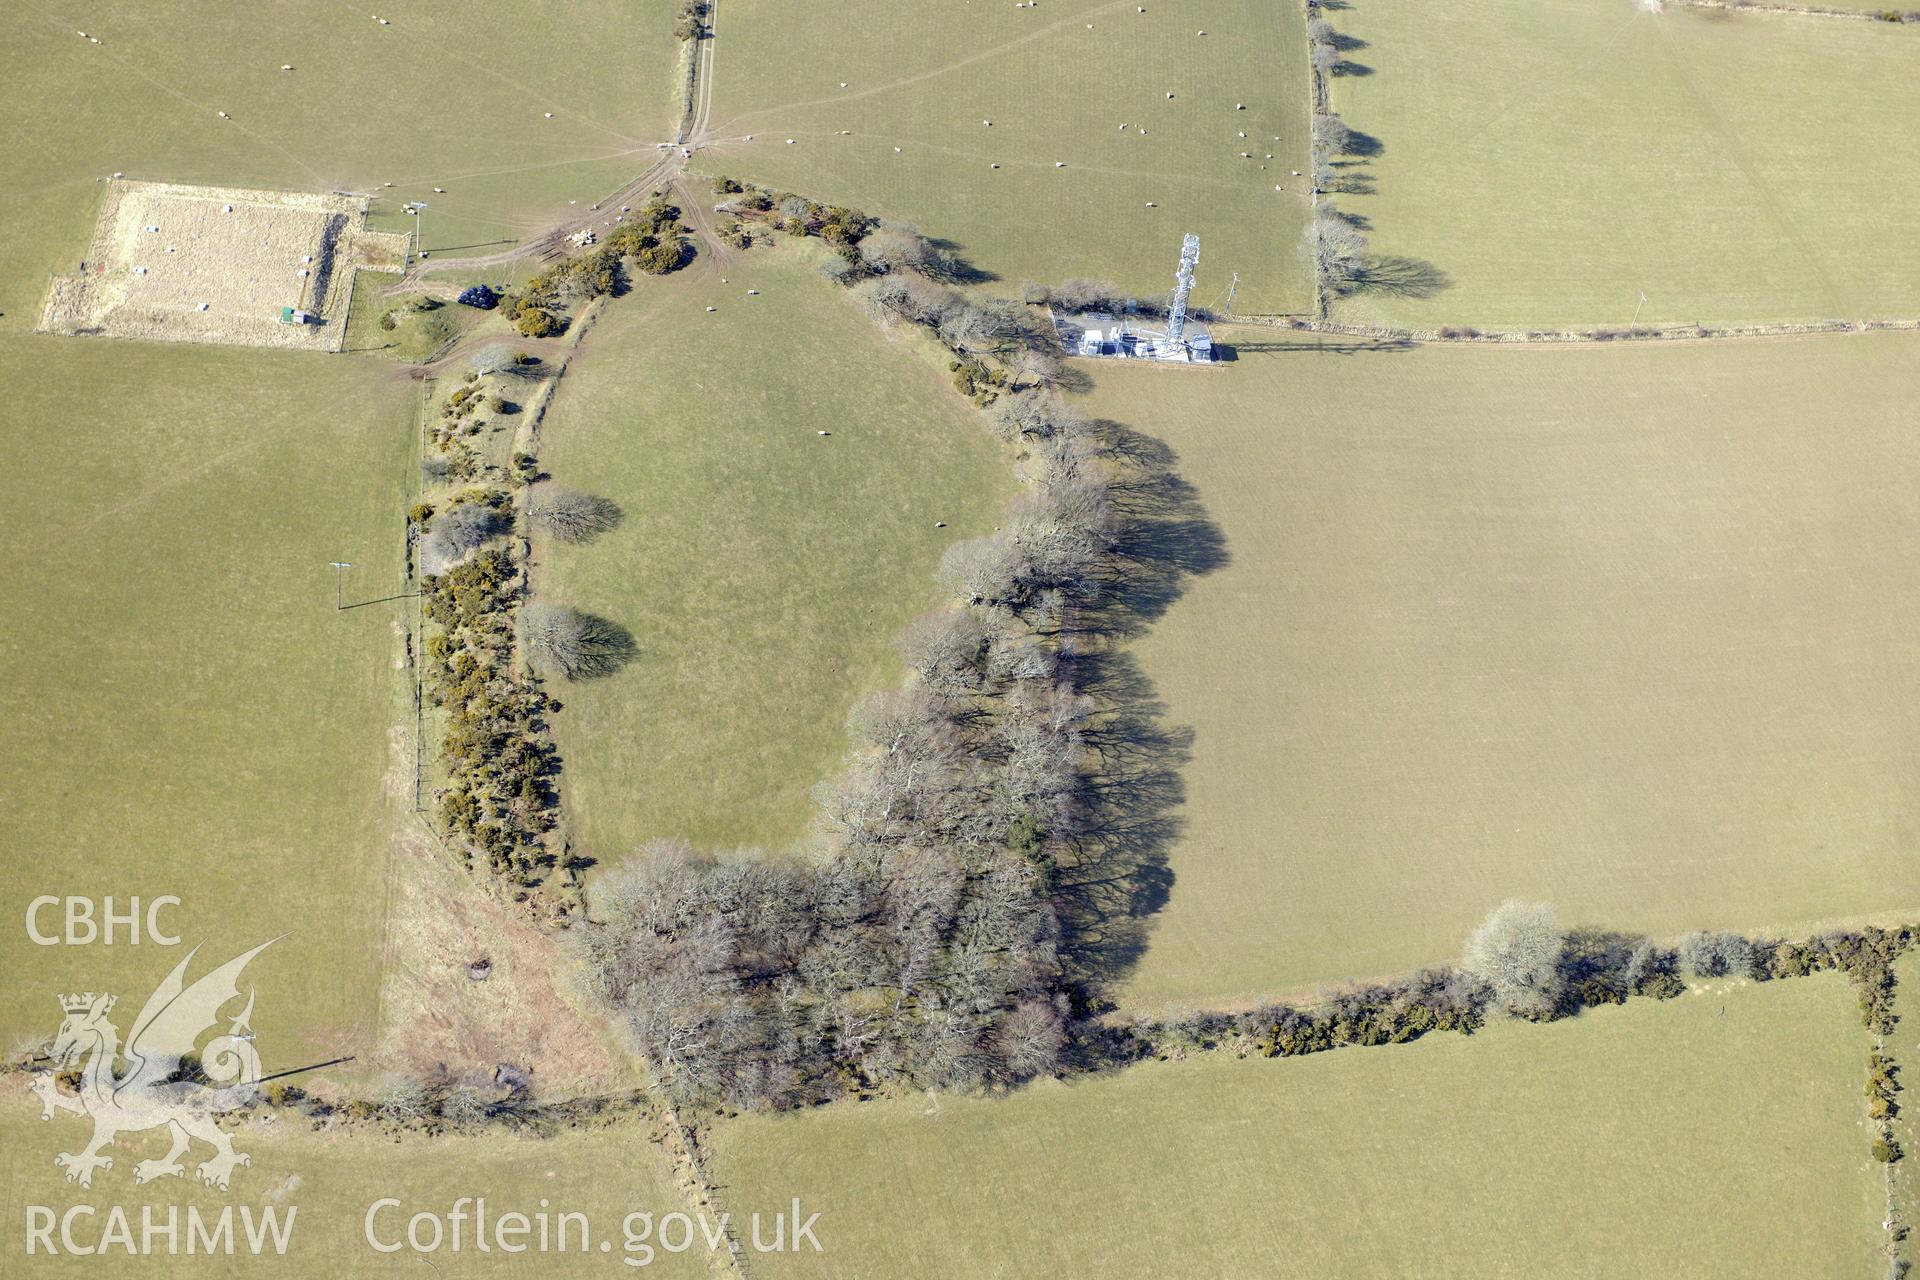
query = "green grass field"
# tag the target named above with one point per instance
(182, 709)
(444, 96)
(331, 1180)
(1856, 6)
(1626, 1142)
(1903, 1046)
(917, 94)
(1629, 629)
(1555, 159)
(416, 335)
(763, 569)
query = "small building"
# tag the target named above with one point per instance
(293, 315)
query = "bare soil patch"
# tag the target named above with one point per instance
(222, 265)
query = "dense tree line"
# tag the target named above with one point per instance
(920, 945)
(690, 21)
(650, 239)
(1521, 963)
(917, 941)
(498, 802)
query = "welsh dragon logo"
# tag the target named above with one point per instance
(154, 1092)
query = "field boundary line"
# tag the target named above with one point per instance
(701, 1194)
(1906, 16)
(1892, 1225)
(1319, 101)
(1469, 334)
(687, 87)
(410, 649)
(703, 114)
(418, 643)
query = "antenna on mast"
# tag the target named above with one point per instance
(1182, 286)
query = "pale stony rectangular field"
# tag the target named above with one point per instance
(512, 110)
(222, 265)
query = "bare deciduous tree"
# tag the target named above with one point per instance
(1517, 953)
(1035, 412)
(984, 571)
(1715, 955)
(908, 297)
(401, 1101)
(457, 532)
(568, 514)
(982, 328)
(1331, 136)
(501, 360)
(465, 1108)
(1083, 295)
(1037, 366)
(948, 650)
(897, 246)
(1028, 1039)
(1334, 250)
(1064, 530)
(579, 646)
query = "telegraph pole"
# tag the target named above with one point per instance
(340, 568)
(414, 207)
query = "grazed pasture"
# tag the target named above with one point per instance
(1621, 1142)
(330, 1181)
(1630, 629)
(1057, 81)
(1551, 161)
(182, 708)
(764, 569)
(443, 96)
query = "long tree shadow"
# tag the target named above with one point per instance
(1400, 277)
(961, 269)
(1364, 145)
(1341, 166)
(1165, 535)
(1349, 180)
(603, 648)
(1119, 876)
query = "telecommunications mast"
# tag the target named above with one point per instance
(1182, 286)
